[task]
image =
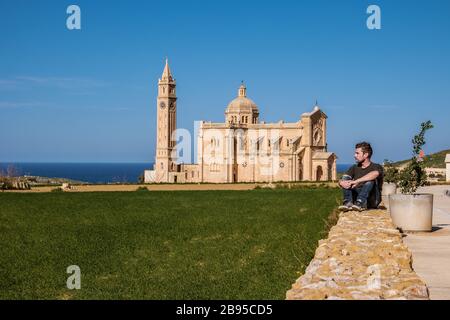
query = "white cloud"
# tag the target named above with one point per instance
(10, 104)
(384, 107)
(76, 83)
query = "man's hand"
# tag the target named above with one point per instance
(354, 184)
(346, 184)
(349, 184)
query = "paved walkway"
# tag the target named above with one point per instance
(431, 251)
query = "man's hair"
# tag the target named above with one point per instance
(365, 147)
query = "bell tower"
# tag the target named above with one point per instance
(166, 125)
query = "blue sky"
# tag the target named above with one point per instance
(90, 95)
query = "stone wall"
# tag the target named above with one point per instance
(364, 257)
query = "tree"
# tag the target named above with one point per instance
(12, 171)
(414, 175)
(391, 173)
(2, 179)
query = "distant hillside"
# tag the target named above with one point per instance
(434, 160)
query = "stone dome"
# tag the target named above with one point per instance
(242, 104)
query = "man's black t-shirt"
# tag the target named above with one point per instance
(356, 172)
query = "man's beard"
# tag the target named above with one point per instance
(359, 161)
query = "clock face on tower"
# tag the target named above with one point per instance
(172, 106)
(162, 105)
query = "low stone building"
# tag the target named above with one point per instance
(435, 174)
(242, 148)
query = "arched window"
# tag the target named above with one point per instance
(319, 173)
(242, 143)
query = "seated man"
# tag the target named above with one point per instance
(362, 183)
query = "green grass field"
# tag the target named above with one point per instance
(160, 245)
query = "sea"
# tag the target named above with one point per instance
(97, 173)
(84, 172)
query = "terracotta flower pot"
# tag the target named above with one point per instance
(412, 212)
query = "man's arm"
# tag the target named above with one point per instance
(368, 177)
(344, 182)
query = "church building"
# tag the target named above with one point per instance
(242, 148)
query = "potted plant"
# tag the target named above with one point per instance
(390, 178)
(411, 211)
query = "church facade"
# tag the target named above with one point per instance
(242, 148)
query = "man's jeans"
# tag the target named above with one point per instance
(360, 193)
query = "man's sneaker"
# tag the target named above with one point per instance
(358, 206)
(345, 207)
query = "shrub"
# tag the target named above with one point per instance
(414, 175)
(391, 173)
